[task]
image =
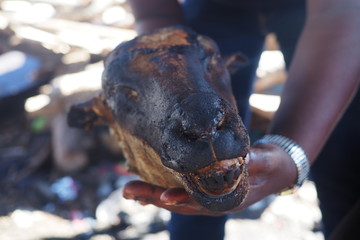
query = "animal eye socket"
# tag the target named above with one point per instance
(207, 63)
(211, 62)
(130, 93)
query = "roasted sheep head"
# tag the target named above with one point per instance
(167, 97)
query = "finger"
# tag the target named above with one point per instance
(141, 191)
(175, 200)
(178, 200)
(175, 196)
(259, 160)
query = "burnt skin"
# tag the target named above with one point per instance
(171, 105)
(201, 130)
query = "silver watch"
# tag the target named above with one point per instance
(296, 153)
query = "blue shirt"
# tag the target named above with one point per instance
(257, 4)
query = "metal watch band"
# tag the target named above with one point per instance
(296, 153)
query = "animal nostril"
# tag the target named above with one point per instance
(191, 135)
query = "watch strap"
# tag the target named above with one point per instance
(296, 153)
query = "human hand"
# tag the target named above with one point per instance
(270, 170)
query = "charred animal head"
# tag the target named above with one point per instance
(167, 96)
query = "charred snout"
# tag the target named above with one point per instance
(201, 130)
(200, 117)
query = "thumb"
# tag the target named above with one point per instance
(175, 196)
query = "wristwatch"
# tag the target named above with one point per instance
(296, 153)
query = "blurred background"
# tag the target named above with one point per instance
(59, 183)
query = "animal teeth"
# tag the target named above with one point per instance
(220, 178)
(230, 177)
(240, 160)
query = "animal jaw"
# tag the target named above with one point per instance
(216, 186)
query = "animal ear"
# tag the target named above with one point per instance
(110, 56)
(88, 114)
(235, 61)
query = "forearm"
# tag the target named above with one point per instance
(152, 14)
(324, 75)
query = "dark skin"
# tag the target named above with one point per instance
(323, 77)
